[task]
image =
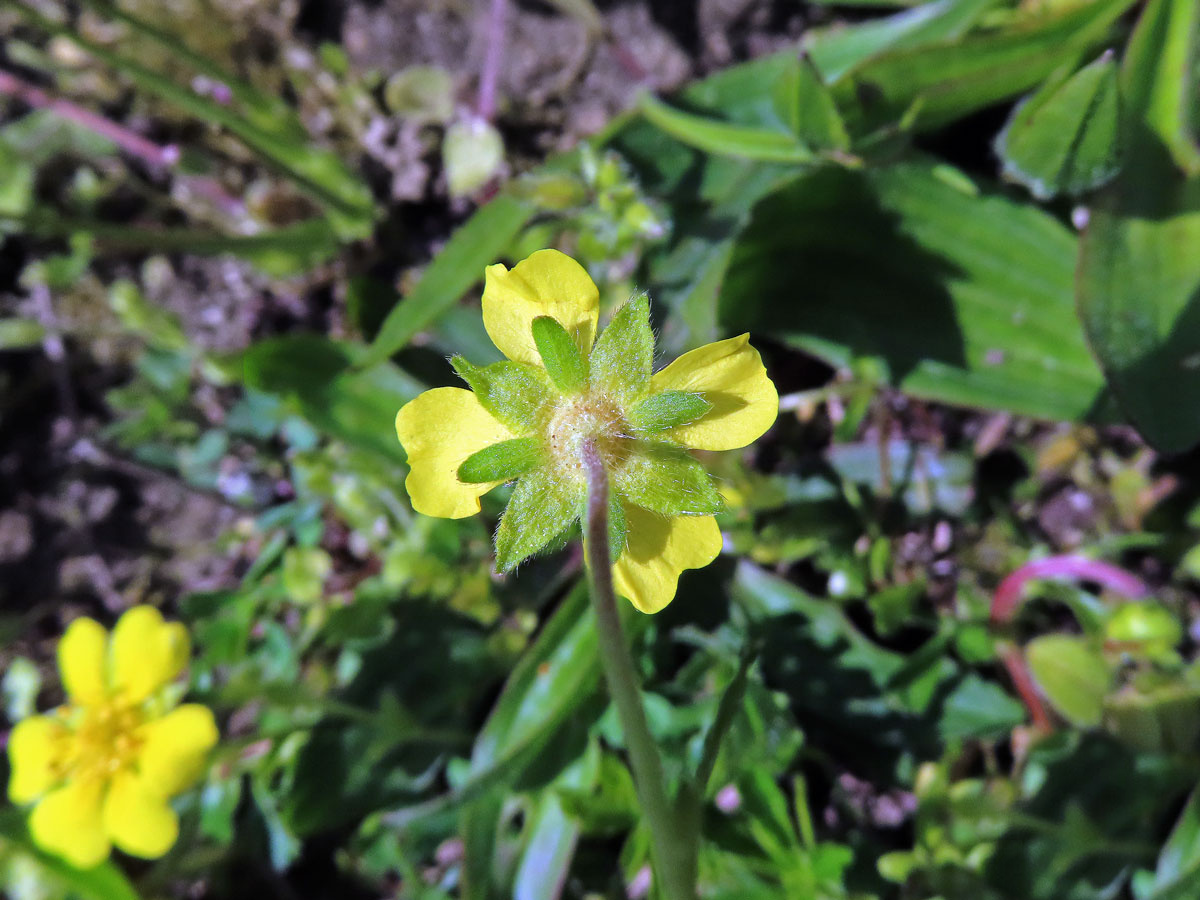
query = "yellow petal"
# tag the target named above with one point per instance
(145, 653)
(137, 817)
(174, 748)
(35, 752)
(546, 283)
(657, 549)
(731, 376)
(68, 823)
(439, 430)
(81, 662)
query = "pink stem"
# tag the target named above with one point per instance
(1022, 679)
(1008, 595)
(493, 56)
(129, 141)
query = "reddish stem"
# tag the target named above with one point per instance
(129, 141)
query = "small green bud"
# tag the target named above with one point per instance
(1144, 623)
(560, 354)
(502, 462)
(668, 410)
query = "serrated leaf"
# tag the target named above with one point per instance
(560, 354)
(502, 462)
(1073, 676)
(515, 393)
(624, 353)
(667, 480)
(668, 410)
(1066, 138)
(542, 507)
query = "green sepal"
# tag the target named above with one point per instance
(624, 353)
(542, 508)
(513, 392)
(560, 354)
(503, 461)
(668, 410)
(616, 525)
(668, 480)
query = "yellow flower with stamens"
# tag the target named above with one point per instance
(102, 767)
(528, 418)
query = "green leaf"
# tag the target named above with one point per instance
(725, 138)
(816, 120)
(543, 505)
(503, 461)
(618, 530)
(667, 480)
(102, 882)
(959, 297)
(1066, 138)
(16, 334)
(459, 264)
(979, 709)
(560, 354)
(838, 49)
(624, 353)
(1177, 875)
(935, 84)
(1139, 272)
(1158, 80)
(668, 410)
(1073, 676)
(515, 393)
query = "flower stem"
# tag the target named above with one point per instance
(674, 858)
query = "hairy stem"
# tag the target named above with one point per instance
(674, 866)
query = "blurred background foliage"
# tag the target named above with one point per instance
(238, 236)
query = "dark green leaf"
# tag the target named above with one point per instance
(624, 352)
(542, 507)
(668, 410)
(502, 462)
(560, 354)
(1066, 138)
(979, 709)
(962, 297)
(935, 84)
(667, 480)
(515, 393)
(1177, 875)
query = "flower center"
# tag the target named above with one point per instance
(588, 417)
(105, 740)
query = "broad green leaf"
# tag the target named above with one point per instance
(1073, 676)
(560, 354)
(1139, 269)
(668, 410)
(460, 264)
(502, 462)
(1065, 139)
(623, 355)
(959, 296)
(316, 375)
(725, 138)
(934, 84)
(102, 882)
(837, 49)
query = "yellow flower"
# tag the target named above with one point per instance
(102, 767)
(527, 419)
